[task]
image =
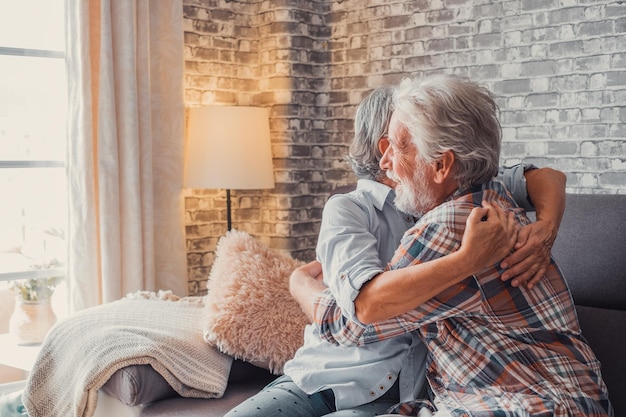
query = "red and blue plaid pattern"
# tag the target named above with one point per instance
(495, 349)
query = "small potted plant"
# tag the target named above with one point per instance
(33, 315)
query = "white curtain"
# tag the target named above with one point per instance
(125, 154)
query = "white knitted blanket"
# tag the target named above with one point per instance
(83, 350)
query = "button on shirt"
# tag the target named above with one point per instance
(497, 350)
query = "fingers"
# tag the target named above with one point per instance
(518, 255)
(522, 237)
(531, 245)
(505, 219)
(538, 276)
(522, 271)
(477, 215)
(497, 214)
(529, 278)
(514, 229)
(493, 211)
(522, 264)
(489, 236)
(528, 263)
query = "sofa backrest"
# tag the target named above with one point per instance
(591, 249)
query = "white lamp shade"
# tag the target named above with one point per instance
(228, 147)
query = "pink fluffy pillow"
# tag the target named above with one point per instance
(249, 312)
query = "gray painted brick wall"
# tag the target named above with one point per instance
(557, 68)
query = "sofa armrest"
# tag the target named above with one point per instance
(137, 385)
(141, 384)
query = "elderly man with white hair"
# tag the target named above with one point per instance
(494, 349)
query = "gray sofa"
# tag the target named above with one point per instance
(591, 250)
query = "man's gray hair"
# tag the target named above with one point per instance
(453, 113)
(371, 122)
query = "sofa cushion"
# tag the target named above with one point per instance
(214, 407)
(591, 250)
(142, 384)
(242, 371)
(249, 312)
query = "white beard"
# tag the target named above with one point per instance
(415, 197)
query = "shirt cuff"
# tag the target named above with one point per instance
(349, 289)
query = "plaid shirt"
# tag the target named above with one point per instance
(495, 350)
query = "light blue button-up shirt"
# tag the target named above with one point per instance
(360, 231)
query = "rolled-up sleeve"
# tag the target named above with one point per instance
(347, 250)
(515, 182)
(429, 242)
(334, 326)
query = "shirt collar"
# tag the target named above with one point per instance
(477, 188)
(378, 192)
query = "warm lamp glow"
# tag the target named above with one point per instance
(228, 147)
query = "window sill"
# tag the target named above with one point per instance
(17, 356)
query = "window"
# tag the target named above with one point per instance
(33, 195)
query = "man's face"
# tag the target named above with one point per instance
(415, 193)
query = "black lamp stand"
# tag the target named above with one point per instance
(228, 214)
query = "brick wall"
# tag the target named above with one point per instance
(557, 67)
(271, 55)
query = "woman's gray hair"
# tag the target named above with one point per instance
(370, 125)
(453, 113)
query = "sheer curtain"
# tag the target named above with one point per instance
(125, 154)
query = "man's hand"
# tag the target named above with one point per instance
(489, 236)
(527, 265)
(529, 262)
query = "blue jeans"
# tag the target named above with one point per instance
(282, 397)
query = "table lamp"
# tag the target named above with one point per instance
(228, 147)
